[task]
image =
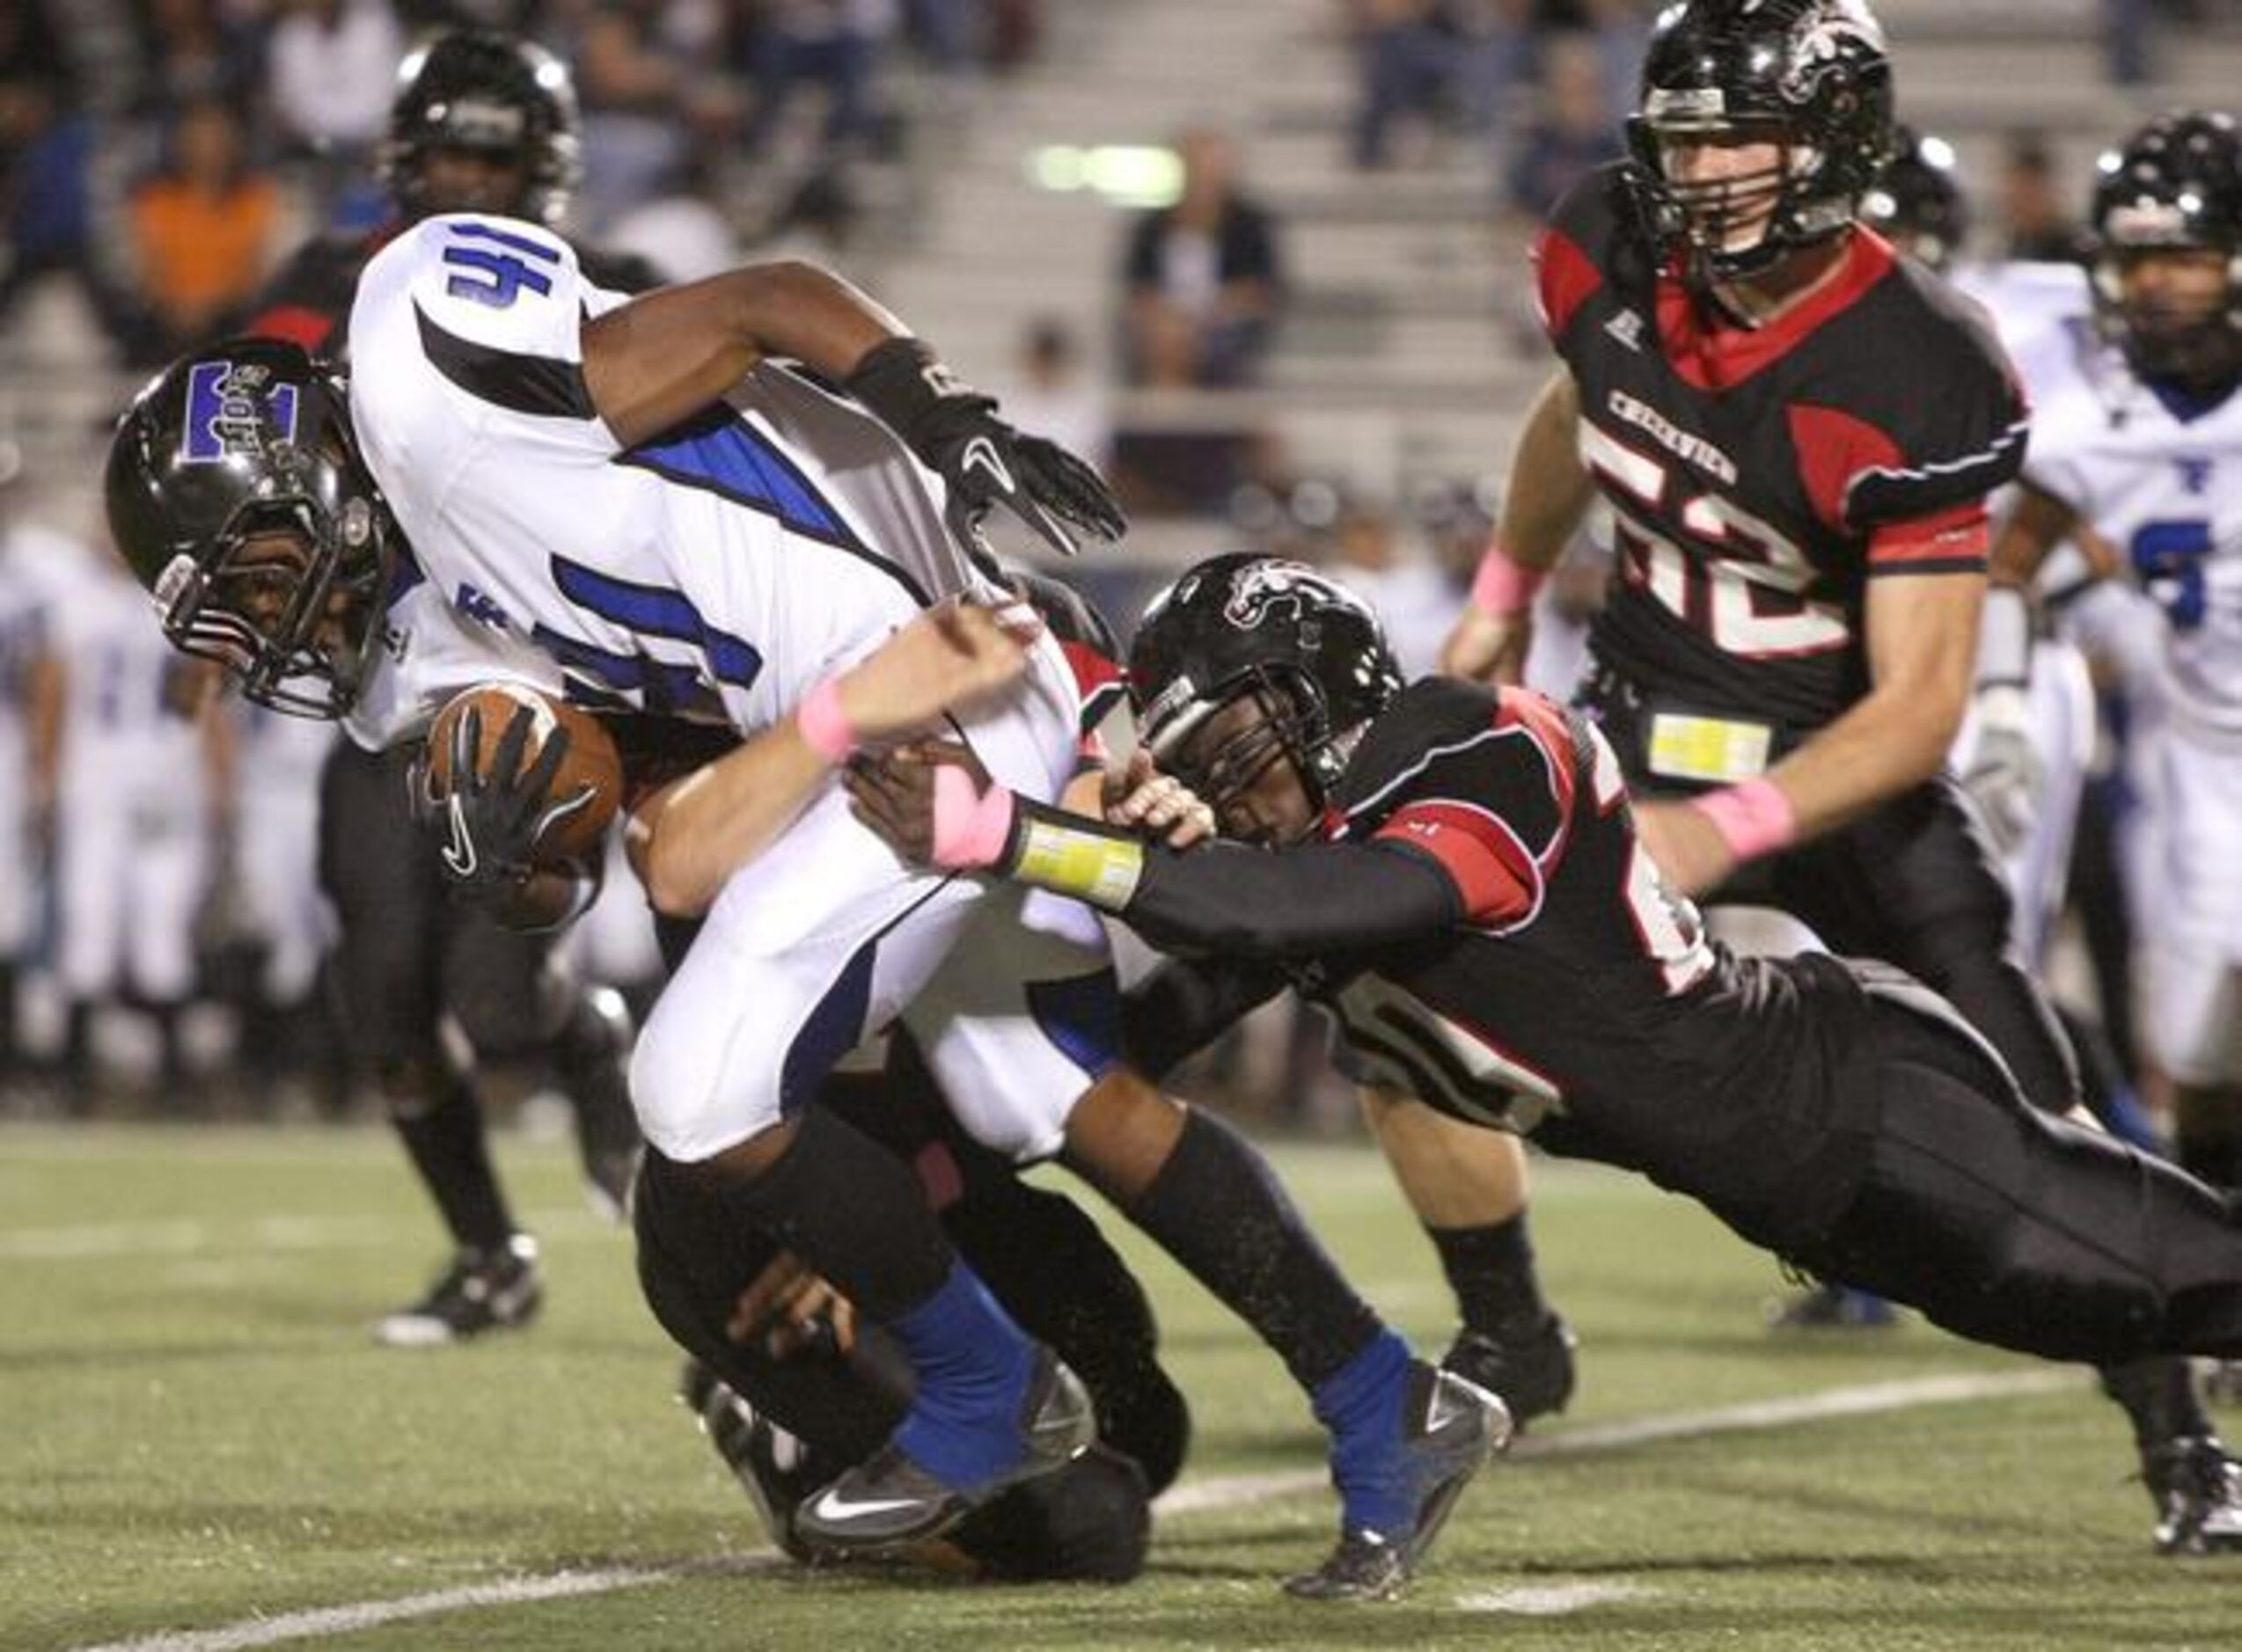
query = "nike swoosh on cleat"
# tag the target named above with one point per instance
(829, 1506)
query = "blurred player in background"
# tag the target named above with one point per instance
(482, 121)
(2142, 450)
(37, 564)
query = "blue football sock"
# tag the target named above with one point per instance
(1360, 1403)
(973, 1364)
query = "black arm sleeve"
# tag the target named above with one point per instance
(1299, 902)
(1185, 1004)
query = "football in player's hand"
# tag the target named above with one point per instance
(588, 760)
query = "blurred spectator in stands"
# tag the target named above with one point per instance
(2034, 221)
(195, 49)
(329, 66)
(1573, 130)
(1205, 280)
(45, 212)
(1052, 391)
(1421, 60)
(202, 228)
(947, 33)
(831, 45)
(1015, 31)
(632, 85)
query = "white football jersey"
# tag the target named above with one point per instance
(717, 573)
(2163, 486)
(2045, 316)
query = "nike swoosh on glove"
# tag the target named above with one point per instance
(983, 461)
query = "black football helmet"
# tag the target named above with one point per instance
(2174, 184)
(492, 93)
(237, 495)
(1810, 75)
(1916, 202)
(1245, 624)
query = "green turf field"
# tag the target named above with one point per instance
(199, 1446)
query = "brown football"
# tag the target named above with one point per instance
(592, 759)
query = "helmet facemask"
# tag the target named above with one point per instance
(1292, 727)
(2196, 346)
(1735, 227)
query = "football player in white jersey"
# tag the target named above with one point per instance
(553, 468)
(2146, 451)
(36, 565)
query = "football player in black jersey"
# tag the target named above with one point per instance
(1796, 430)
(1452, 870)
(481, 121)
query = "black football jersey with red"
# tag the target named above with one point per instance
(1578, 998)
(1760, 477)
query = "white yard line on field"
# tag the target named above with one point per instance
(1193, 1497)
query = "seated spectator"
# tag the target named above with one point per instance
(1050, 392)
(330, 72)
(1204, 280)
(1572, 133)
(202, 229)
(45, 210)
(832, 45)
(2033, 219)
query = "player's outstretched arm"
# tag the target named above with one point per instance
(1549, 493)
(936, 807)
(687, 840)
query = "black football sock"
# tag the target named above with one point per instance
(855, 1213)
(2159, 1397)
(450, 1149)
(1216, 1207)
(1490, 1269)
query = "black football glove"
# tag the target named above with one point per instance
(984, 461)
(490, 823)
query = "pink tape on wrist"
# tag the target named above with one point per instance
(824, 724)
(1753, 819)
(970, 827)
(1502, 587)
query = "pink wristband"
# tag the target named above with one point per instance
(1753, 819)
(824, 724)
(970, 827)
(1502, 587)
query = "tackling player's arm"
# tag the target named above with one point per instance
(1549, 493)
(935, 806)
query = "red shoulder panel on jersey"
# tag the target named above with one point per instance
(1564, 277)
(1495, 877)
(1834, 447)
(1720, 357)
(1955, 541)
(1543, 721)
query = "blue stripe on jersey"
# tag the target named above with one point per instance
(505, 237)
(663, 687)
(721, 451)
(655, 610)
(1081, 1017)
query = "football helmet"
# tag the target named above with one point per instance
(1916, 202)
(2175, 184)
(490, 93)
(1810, 76)
(1245, 624)
(237, 495)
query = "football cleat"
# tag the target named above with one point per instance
(2198, 1492)
(1828, 1307)
(889, 1501)
(1450, 1428)
(1530, 1369)
(481, 1290)
(776, 1469)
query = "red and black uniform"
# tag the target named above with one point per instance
(1759, 480)
(1491, 937)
